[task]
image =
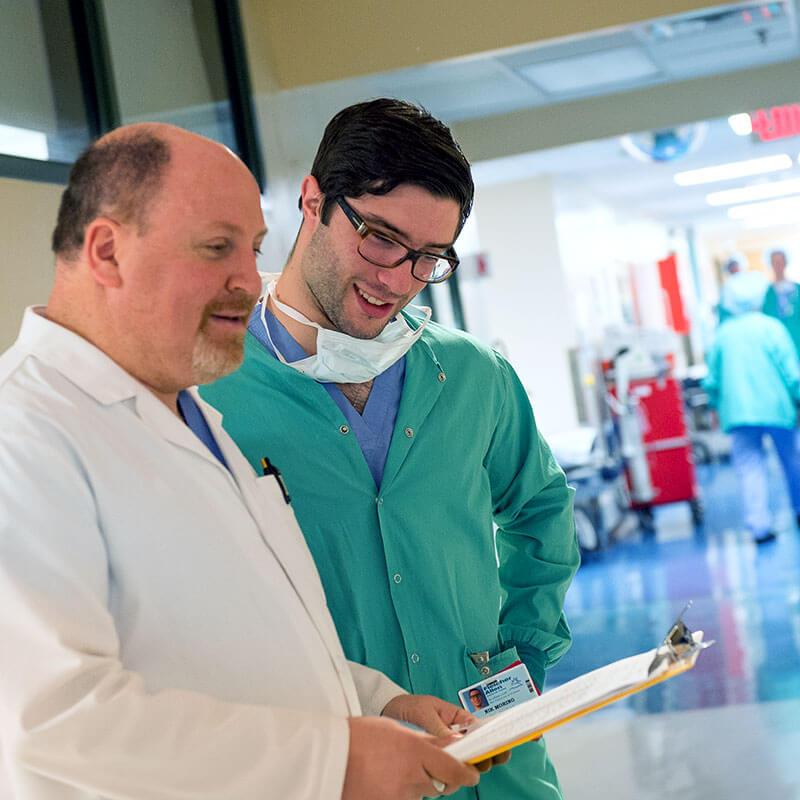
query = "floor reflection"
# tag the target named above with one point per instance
(724, 753)
(730, 728)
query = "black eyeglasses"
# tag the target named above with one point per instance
(383, 251)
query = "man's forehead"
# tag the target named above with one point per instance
(227, 200)
(237, 228)
(412, 221)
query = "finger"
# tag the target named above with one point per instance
(450, 714)
(494, 761)
(436, 726)
(439, 787)
(455, 787)
(461, 717)
(450, 771)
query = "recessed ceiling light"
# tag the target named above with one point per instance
(741, 124)
(734, 169)
(774, 208)
(747, 194)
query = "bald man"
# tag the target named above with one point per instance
(164, 630)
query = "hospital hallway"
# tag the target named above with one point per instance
(729, 728)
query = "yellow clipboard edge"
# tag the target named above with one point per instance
(676, 669)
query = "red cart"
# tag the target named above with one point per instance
(667, 447)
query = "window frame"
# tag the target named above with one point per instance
(100, 100)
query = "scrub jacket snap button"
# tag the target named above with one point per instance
(344, 429)
(409, 432)
(442, 377)
(414, 658)
(398, 578)
(485, 670)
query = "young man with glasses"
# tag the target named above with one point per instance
(400, 442)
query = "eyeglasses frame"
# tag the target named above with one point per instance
(412, 255)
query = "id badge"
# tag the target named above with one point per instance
(499, 692)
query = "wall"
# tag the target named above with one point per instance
(28, 211)
(526, 296)
(25, 98)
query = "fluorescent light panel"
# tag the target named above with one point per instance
(787, 206)
(734, 169)
(753, 223)
(23, 143)
(748, 194)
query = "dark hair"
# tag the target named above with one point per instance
(375, 146)
(119, 176)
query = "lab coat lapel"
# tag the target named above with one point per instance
(282, 536)
(422, 386)
(170, 427)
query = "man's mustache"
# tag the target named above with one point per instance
(237, 304)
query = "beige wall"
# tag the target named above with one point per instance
(28, 212)
(318, 40)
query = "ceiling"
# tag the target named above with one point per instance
(608, 172)
(717, 40)
(712, 41)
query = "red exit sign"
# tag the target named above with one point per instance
(777, 122)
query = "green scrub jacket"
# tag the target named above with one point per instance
(792, 320)
(410, 569)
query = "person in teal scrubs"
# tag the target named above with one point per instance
(782, 300)
(401, 442)
(754, 383)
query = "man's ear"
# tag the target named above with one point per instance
(100, 245)
(311, 201)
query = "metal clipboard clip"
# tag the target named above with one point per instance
(679, 645)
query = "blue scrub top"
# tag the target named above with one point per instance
(372, 429)
(193, 417)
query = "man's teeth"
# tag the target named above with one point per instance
(370, 299)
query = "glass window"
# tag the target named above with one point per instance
(167, 65)
(42, 110)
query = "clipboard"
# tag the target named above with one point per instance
(676, 654)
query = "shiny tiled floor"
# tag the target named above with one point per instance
(731, 727)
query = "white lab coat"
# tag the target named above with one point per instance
(163, 629)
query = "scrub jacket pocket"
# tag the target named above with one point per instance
(496, 663)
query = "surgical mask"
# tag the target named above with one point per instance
(345, 359)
